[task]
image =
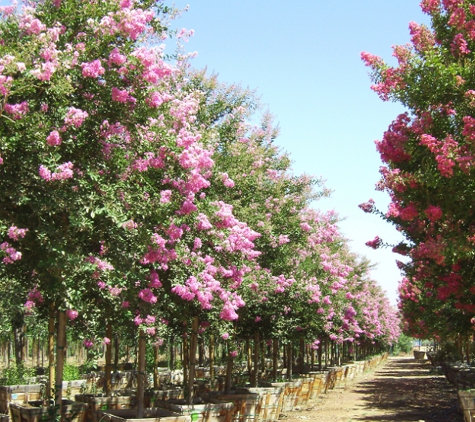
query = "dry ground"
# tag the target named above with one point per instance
(402, 390)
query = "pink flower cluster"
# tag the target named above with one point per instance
(11, 253)
(75, 117)
(92, 69)
(15, 233)
(63, 172)
(53, 139)
(17, 111)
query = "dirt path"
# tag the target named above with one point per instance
(401, 390)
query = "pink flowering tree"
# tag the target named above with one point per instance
(104, 171)
(428, 156)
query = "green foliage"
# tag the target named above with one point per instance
(17, 375)
(403, 345)
(71, 372)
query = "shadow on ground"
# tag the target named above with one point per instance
(407, 390)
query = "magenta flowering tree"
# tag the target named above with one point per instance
(103, 171)
(428, 164)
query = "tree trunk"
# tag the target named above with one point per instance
(249, 356)
(319, 355)
(275, 355)
(229, 374)
(193, 347)
(24, 345)
(18, 336)
(51, 363)
(289, 361)
(185, 364)
(38, 352)
(467, 349)
(301, 355)
(141, 374)
(107, 369)
(60, 347)
(211, 359)
(263, 356)
(116, 352)
(255, 371)
(171, 348)
(155, 367)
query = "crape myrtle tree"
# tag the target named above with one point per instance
(304, 263)
(102, 170)
(428, 156)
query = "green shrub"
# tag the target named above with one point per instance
(403, 345)
(71, 372)
(17, 375)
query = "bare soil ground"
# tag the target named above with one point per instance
(401, 390)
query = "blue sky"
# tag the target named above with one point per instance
(303, 60)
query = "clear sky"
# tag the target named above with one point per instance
(303, 60)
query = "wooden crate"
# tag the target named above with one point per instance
(210, 411)
(149, 415)
(150, 397)
(70, 412)
(95, 404)
(245, 405)
(291, 393)
(19, 394)
(270, 402)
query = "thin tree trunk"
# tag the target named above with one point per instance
(116, 352)
(171, 362)
(229, 373)
(38, 352)
(289, 361)
(301, 355)
(255, 372)
(60, 346)
(275, 355)
(17, 333)
(185, 364)
(319, 354)
(51, 363)
(24, 345)
(141, 374)
(249, 356)
(211, 359)
(107, 373)
(193, 347)
(155, 367)
(467, 349)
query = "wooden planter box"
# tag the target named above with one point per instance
(96, 403)
(466, 404)
(291, 393)
(71, 388)
(245, 404)
(337, 377)
(19, 394)
(151, 397)
(330, 381)
(305, 390)
(210, 411)
(149, 415)
(319, 379)
(270, 402)
(70, 412)
(419, 355)
(350, 371)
